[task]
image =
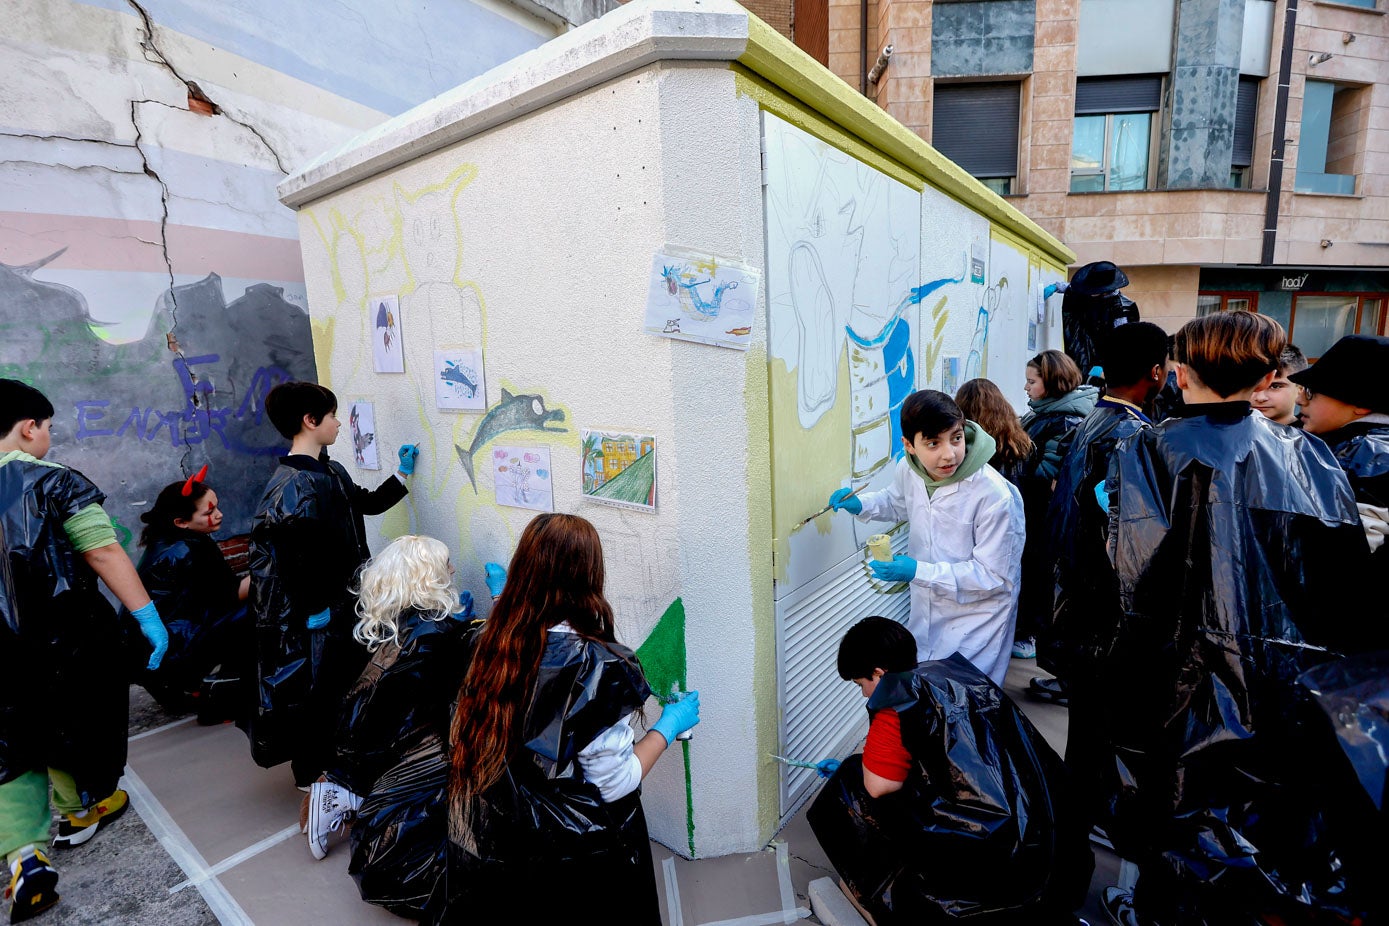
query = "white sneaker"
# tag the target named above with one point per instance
(1118, 903)
(330, 806)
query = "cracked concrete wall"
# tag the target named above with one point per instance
(150, 280)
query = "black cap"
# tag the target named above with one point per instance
(1352, 370)
(1098, 278)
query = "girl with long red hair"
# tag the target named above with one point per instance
(544, 790)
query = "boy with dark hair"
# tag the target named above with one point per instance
(63, 712)
(1230, 540)
(1134, 358)
(1349, 409)
(966, 535)
(1278, 403)
(957, 803)
(308, 540)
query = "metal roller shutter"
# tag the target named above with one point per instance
(976, 126)
(1101, 95)
(1246, 105)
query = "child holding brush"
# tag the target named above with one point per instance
(966, 535)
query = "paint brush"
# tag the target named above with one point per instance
(817, 514)
(794, 763)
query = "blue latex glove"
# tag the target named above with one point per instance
(496, 578)
(825, 768)
(465, 610)
(901, 569)
(1053, 288)
(1102, 495)
(320, 620)
(840, 502)
(678, 716)
(408, 454)
(155, 632)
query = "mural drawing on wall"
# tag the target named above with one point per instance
(512, 413)
(522, 477)
(386, 347)
(700, 297)
(361, 422)
(619, 469)
(458, 380)
(136, 414)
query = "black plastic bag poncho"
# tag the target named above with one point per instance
(66, 697)
(1087, 594)
(1232, 540)
(1087, 320)
(308, 540)
(196, 593)
(390, 751)
(982, 830)
(1363, 452)
(542, 838)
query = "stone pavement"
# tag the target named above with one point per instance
(214, 839)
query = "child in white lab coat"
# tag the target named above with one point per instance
(966, 536)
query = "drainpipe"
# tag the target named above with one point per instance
(1280, 124)
(863, 47)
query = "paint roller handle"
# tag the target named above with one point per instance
(844, 500)
(678, 716)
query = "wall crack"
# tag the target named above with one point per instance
(155, 55)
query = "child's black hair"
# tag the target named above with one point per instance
(170, 504)
(929, 412)
(288, 403)
(21, 402)
(1131, 351)
(876, 643)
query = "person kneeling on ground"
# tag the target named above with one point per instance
(200, 599)
(958, 809)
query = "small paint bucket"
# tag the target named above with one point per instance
(880, 548)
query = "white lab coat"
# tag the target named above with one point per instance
(967, 540)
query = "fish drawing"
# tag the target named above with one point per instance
(512, 413)
(740, 332)
(460, 376)
(385, 320)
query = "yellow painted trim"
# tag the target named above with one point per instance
(783, 105)
(1017, 243)
(777, 60)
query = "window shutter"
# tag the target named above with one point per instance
(1103, 95)
(1245, 107)
(976, 126)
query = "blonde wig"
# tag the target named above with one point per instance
(412, 572)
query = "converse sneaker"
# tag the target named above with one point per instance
(33, 885)
(330, 806)
(1118, 903)
(77, 828)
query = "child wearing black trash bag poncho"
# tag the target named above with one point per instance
(958, 810)
(1231, 539)
(544, 798)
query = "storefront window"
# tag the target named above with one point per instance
(1321, 320)
(1210, 303)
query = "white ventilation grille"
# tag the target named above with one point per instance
(822, 715)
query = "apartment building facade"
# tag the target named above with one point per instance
(1149, 133)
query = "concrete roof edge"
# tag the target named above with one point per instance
(781, 63)
(631, 37)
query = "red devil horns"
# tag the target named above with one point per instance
(199, 476)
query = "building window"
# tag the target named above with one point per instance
(1246, 109)
(1320, 320)
(1211, 303)
(1111, 148)
(976, 126)
(1332, 116)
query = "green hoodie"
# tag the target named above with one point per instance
(979, 450)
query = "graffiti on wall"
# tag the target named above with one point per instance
(137, 415)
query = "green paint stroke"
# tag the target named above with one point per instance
(663, 654)
(662, 658)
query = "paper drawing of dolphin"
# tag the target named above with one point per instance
(455, 374)
(512, 413)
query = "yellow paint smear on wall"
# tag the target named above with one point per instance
(807, 465)
(323, 330)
